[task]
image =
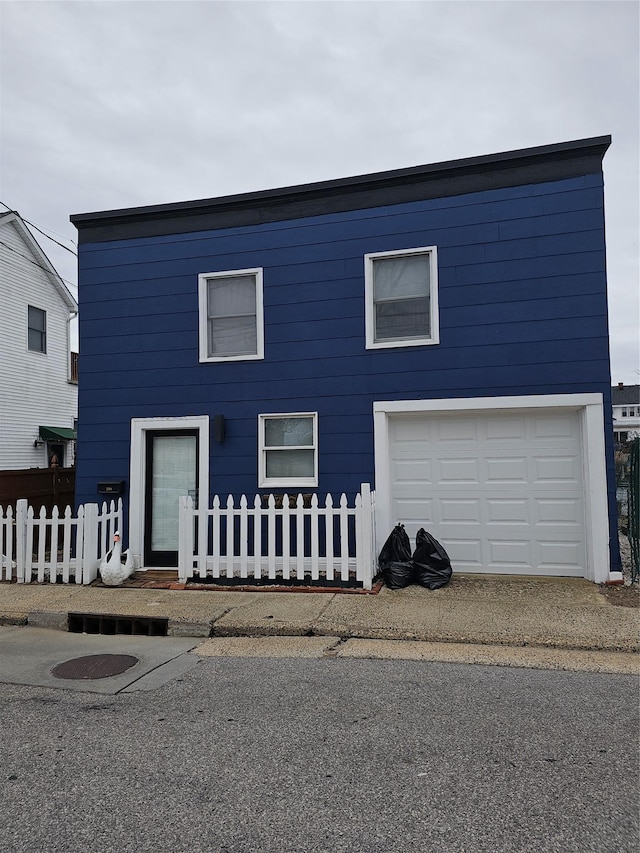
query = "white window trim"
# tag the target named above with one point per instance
(137, 470)
(591, 409)
(284, 482)
(202, 316)
(434, 338)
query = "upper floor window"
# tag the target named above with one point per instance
(624, 413)
(401, 290)
(231, 322)
(288, 450)
(37, 329)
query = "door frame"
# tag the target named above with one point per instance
(591, 411)
(138, 473)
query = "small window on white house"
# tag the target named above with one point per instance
(624, 413)
(37, 329)
(231, 323)
(288, 450)
(401, 298)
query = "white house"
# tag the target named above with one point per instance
(38, 394)
(625, 400)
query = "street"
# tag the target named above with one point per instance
(239, 755)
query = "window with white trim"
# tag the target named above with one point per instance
(288, 449)
(231, 322)
(36, 329)
(401, 291)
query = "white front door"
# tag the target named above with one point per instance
(171, 472)
(169, 459)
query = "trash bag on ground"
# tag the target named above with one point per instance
(431, 563)
(395, 561)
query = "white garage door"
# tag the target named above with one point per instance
(503, 492)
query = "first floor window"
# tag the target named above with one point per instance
(401, 298)
(288, 450)
(231, 326)
(37, 329)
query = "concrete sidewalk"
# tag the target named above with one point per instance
(482, 609)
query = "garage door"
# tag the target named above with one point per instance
(502, 491)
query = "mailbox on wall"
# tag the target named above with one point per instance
(115, 488)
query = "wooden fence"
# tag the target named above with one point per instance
(57, 547)
(289, 539)
(42, 487)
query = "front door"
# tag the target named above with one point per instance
(171, 472)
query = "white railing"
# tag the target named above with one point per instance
(282, 541)
(56, 549)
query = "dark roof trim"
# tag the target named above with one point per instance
(454, 177)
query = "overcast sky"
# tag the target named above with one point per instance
(117, 104)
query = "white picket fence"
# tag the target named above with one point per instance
(278, 541)
(59, 548)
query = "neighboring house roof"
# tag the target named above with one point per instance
(42, 260)
(625, 395)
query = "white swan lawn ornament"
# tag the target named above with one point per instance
(116, 566)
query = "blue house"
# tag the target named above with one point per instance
(438, 331)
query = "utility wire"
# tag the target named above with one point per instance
(35, 263)
(62, 246)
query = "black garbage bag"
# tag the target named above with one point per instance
(431, 563)
(395, 559)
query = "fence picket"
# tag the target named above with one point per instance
(6, 543)
(314, 515)
(244, 537)
(271, 536)
(286, 538)
(80, 529)
(300, 538)
(257, 538)
(344, 539)
(41, 526)
(53, 545)
(28, 557)
(328, 534)
(216, 536)
(229, 546)
(66, 544)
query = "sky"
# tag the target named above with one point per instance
(107, 105)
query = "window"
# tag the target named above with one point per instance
(401, 298)
(231, 325)
(288, 450)
(624, 413)
(37, 329)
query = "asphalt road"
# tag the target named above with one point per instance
(250, 755)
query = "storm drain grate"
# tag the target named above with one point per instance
(94, 666)
(140, 626)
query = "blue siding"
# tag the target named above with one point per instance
(522, 292)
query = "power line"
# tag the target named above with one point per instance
(35, 263)
(39, 230)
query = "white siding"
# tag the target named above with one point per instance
(34, 387)
(627, 423)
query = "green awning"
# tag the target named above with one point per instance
(49, 433)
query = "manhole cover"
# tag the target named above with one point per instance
(94, 666)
